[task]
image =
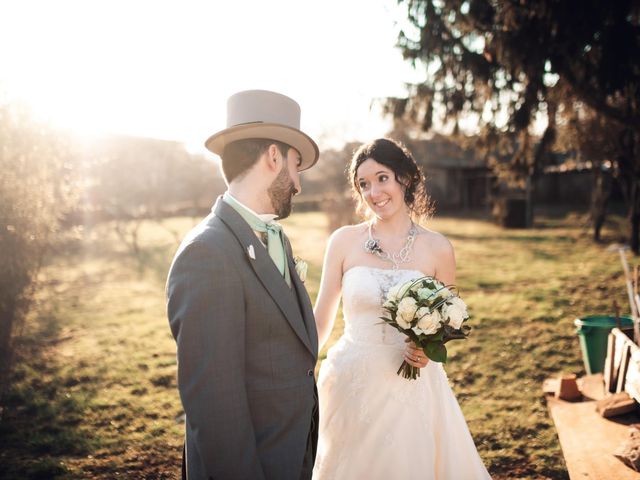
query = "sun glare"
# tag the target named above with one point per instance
(165, 69)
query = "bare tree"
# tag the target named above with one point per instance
(36, 189)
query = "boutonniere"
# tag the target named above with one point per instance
(301, 268)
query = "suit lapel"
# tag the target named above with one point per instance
(266, 270)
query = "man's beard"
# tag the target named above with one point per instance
(281, 191)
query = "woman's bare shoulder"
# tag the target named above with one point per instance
(342, 240)
(348, 233)
(435, 240)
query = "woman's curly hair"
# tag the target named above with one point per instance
(395, 156)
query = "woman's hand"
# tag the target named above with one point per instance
(414, 356)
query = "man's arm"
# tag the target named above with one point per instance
(207, 318)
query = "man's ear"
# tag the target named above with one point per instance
(274, 157)
(271, 159)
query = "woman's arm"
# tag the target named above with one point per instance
(445, 269)
(326, 306)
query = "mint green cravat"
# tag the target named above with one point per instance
(275, 242)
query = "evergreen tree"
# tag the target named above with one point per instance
(506, 61)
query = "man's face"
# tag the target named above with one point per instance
(286, 184)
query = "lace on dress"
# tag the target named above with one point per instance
(375, 424)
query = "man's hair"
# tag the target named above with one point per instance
(238, 157)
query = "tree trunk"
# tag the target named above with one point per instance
(529, 200)
(599, 201)
(631, 142)
(7, 321)
(634, 217)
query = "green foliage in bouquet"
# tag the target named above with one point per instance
(430, 314)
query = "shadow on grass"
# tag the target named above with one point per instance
(42, 412)
(542, 255)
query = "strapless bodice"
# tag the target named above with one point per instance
(364, 290)
(408, 429)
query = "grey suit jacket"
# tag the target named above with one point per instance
(247, 347)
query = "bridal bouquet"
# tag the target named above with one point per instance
(430, 314)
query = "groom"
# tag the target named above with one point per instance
(241, 317)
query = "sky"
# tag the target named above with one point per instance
(165, 69)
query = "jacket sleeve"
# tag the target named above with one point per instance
(207, 318)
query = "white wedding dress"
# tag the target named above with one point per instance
(375, 424)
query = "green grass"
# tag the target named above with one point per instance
(94, 391)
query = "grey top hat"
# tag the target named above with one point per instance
(264, 114)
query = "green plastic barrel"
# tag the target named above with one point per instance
(593, 331)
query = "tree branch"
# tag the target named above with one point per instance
(594, 99)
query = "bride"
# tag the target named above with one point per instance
(374, 423)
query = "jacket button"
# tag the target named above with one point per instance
(310, 373)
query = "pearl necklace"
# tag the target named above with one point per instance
(372, 246)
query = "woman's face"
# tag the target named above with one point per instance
(383, 194)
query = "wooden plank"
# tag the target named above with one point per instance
(616, 404)
(619, 347)
(550, 385)
(588, 440)
(632, 376)
(632, 382)
(624, 366)
(591, 386)
(609, 382)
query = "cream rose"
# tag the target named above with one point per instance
(455, 311)
(396, 292)
(404, 288)
(406, 312)
(392, 295)
(444, 293)
(429, 322)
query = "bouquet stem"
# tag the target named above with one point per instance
(408, 371)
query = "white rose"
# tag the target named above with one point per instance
(388, 305)
(392, 295)
(444, 293)
(422, 311)
(404, 288)
(429, 322)
(455, 311)
(406, 312)
(417, 330)
(396, 292)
